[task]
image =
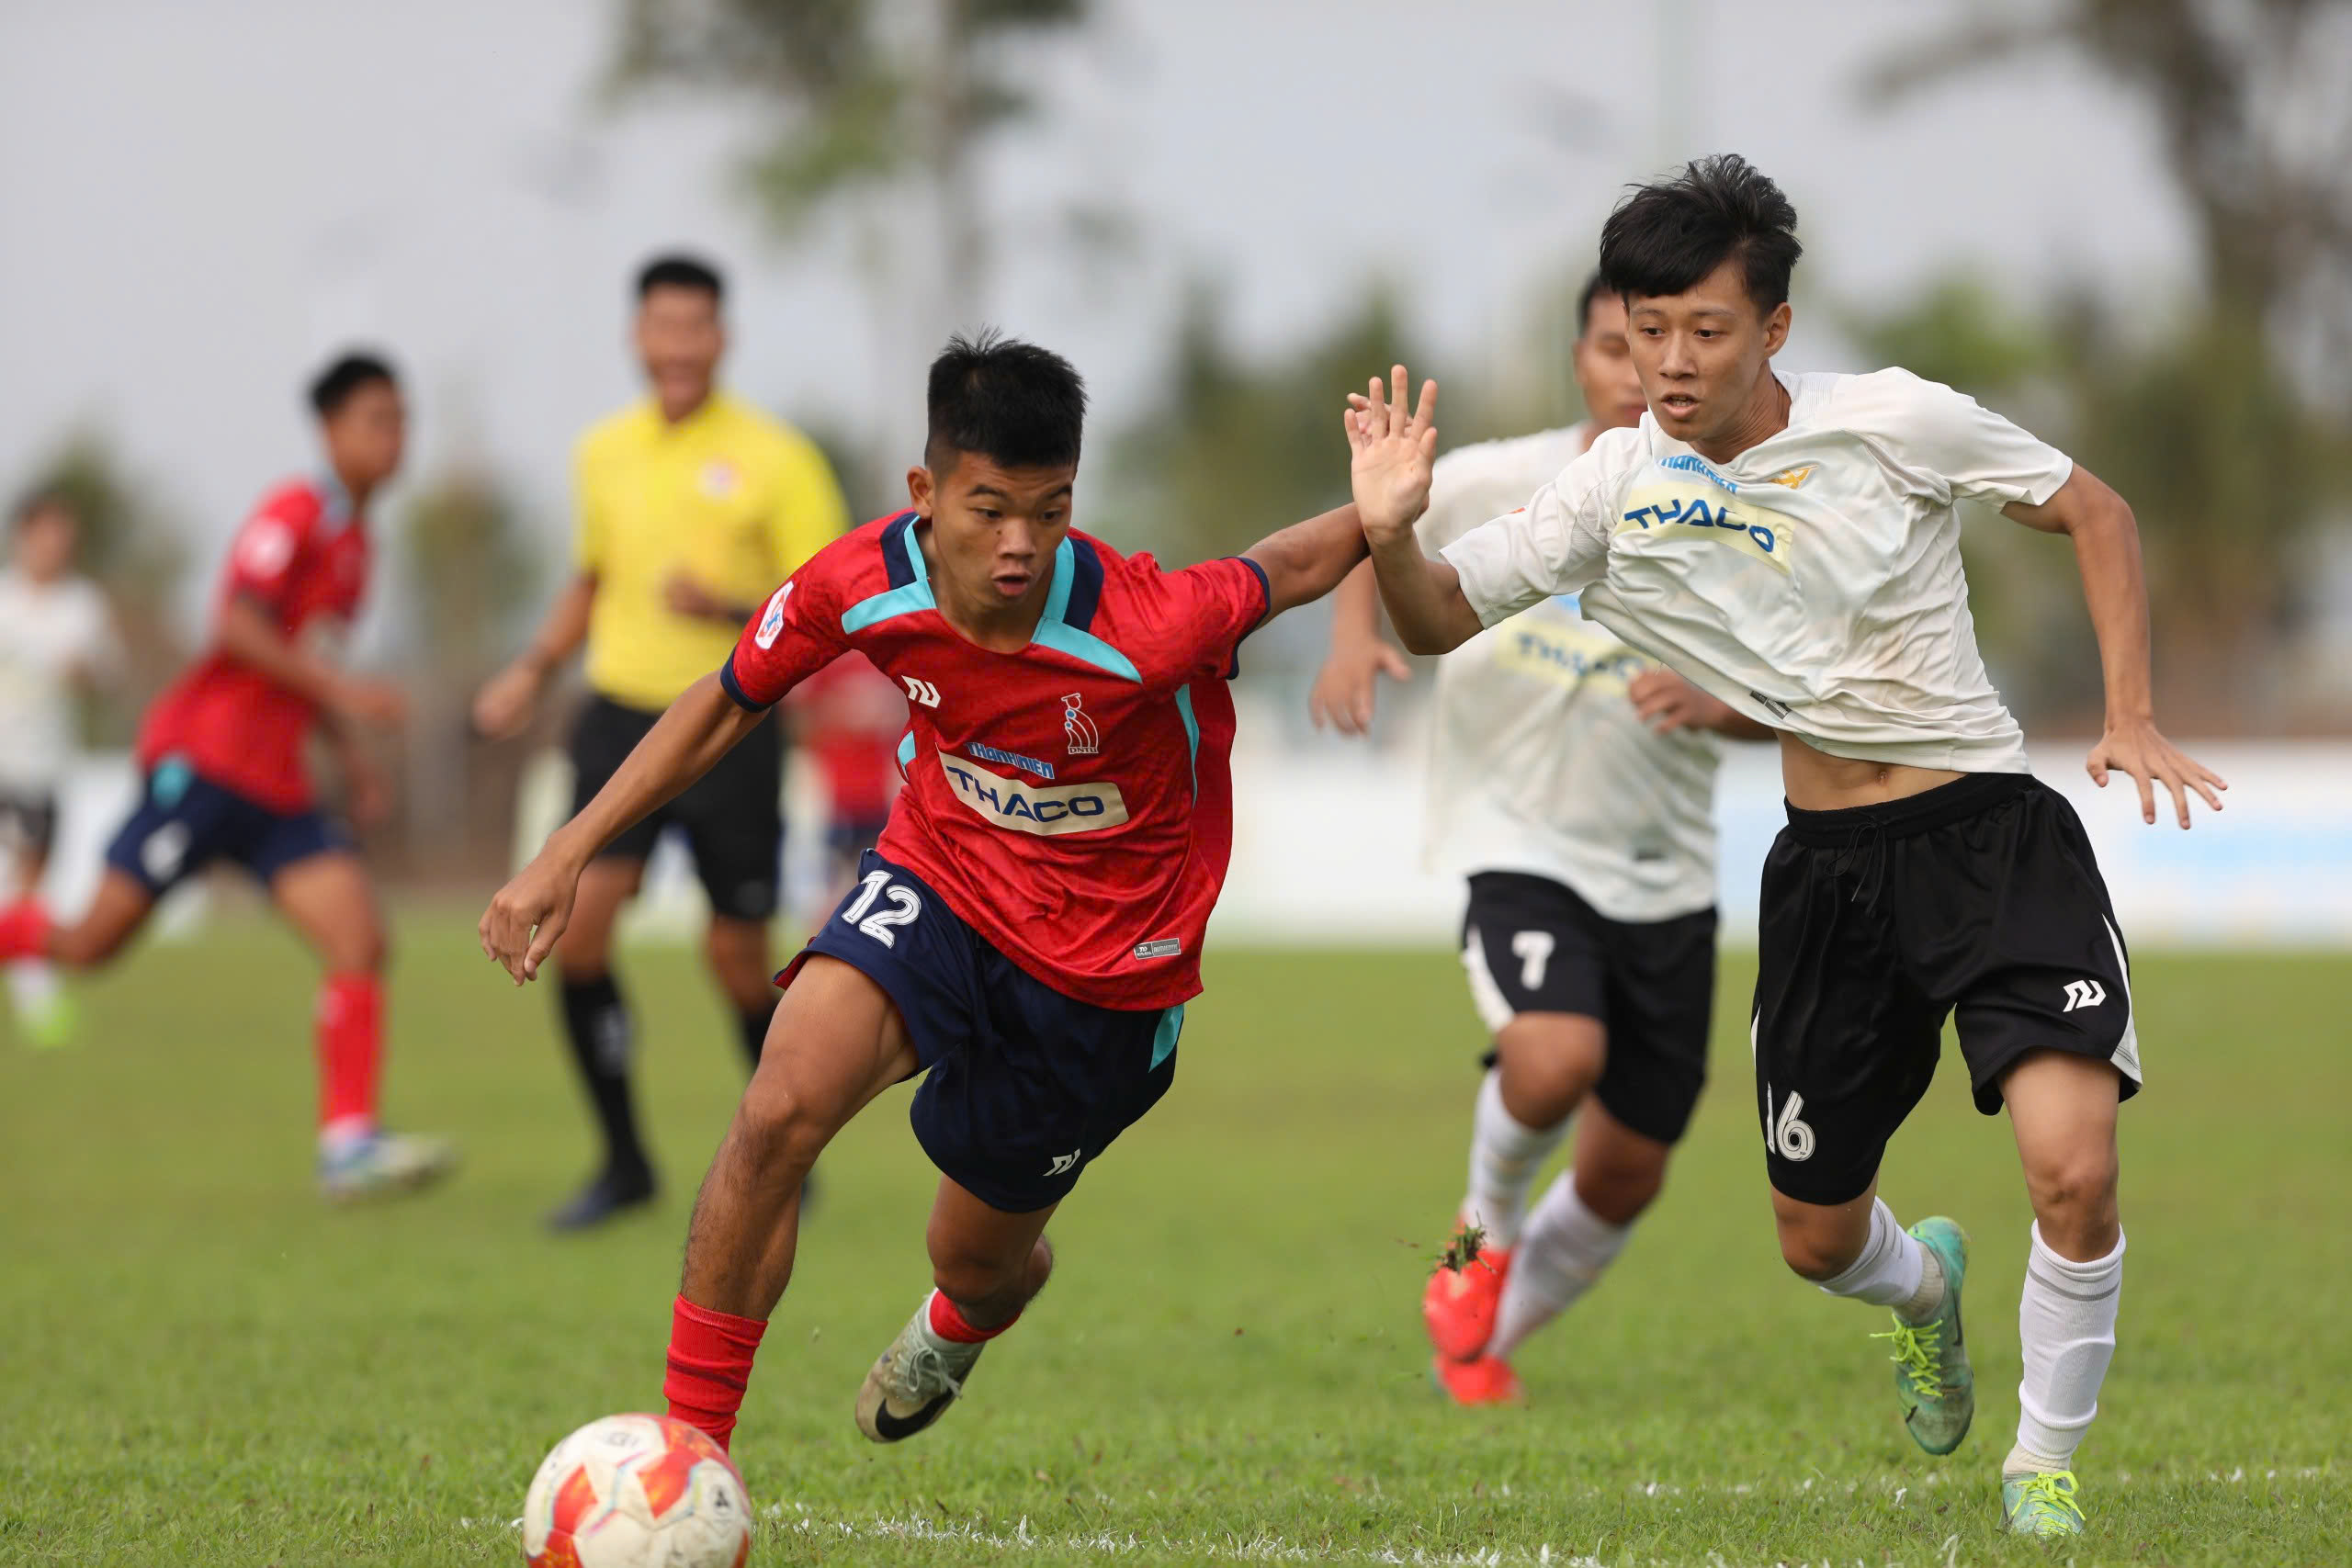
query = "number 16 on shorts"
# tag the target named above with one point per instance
(1789, 1136)
(905, 904)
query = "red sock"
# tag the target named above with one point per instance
(351, 1050)
(710, 1365)
(24, 930)
(948, 1322)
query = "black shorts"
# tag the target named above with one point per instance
(29, 820)
(1530, 944)
(1025, 1085)
(185, 822)
(732, 816)
(1978, 899)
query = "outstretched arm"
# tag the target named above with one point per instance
(1307, 560)
(1393, 455)
(2107, 551)
(519, 929)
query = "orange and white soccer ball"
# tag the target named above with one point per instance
(637, 1492)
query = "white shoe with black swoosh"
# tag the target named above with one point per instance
(915, 1380)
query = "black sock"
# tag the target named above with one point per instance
(755, 1025)
(603, 1037)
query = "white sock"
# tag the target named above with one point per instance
(1894, 1270)
(33, 985)
(1565, 1248)
(1505, 1154)
(2066, 1329)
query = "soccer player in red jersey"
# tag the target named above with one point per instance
(222, 749)
(1029, 929)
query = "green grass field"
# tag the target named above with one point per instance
(202, 1365)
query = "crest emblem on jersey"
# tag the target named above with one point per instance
(1793, 477)
(771, 619)
(718, 478)
(1077, 729)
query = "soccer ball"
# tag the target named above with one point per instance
(637, 1492)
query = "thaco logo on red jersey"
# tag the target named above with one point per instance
(1043, 809)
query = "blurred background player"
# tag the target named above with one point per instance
(846, 719)
(691, 505)
(1571, 780)
(56, 635)
(222, 750)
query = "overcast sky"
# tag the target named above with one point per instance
(198, 202)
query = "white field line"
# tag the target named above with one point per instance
(1263, 1547)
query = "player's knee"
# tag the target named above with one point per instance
(2073, 1191)
(1548, 1066)
(780, 1127)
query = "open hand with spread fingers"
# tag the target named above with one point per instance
(1393, 452)
(2136, 749)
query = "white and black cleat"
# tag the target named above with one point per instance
(914, 1381)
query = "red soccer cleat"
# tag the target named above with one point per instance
(1462, 1295)
(24, 930)
(1488, 1380)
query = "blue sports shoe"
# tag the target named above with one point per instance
(1932, 1379)
(2042, 1503)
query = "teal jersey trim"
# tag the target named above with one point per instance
(1055, 631)
(905, 750)
(1163, 1041)
(1192, 735)
(914, 596)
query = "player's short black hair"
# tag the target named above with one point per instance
(34, 502)
(1665, 237)
(1012, 403)
(675, 269)
(1584, 297)
(332, 386)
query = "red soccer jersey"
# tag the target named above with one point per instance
(303, 557)
(1074, 802)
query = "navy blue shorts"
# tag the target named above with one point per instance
(185, 822)
(1025, 1085)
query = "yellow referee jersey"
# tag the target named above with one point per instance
(728, 496)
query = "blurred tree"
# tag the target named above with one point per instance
(469, 568)
(2228, 429)
(131, 546)
(864, 97)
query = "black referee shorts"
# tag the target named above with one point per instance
(1978, 900)
(732, 816)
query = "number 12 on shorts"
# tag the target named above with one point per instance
(1789, 1137)
(905, 905)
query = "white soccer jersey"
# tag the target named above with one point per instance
(1813, 583)
(47, 632)
(1538, 762)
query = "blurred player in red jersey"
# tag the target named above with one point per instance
(1029, 929)
(222, 749)
(848, 717)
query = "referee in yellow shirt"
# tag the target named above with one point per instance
(692, 507)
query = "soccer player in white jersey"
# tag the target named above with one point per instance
(1571, 783)
(1790, 544)
(55, 634)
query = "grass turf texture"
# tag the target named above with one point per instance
(201, 1364)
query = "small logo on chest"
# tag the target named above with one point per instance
(921, 693)
(1077, 729)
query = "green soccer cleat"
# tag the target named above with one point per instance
(384, 1164)
(51, 1025)
(2042, 1503)
(1932, 1379)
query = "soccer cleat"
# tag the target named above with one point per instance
(914, 1382)
(1459, 1303)
(384, 1164)
(2042, 1503)
(612, 1192)
(1487, 1379)
(1932, 1379)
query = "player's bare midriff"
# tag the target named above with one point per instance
(1815, 781)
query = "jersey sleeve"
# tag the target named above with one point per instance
(1953, 447)
(1203, 611)
(1558, 543)
(796, 633)
(589, 530)
(807, 511)
(269, 545)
